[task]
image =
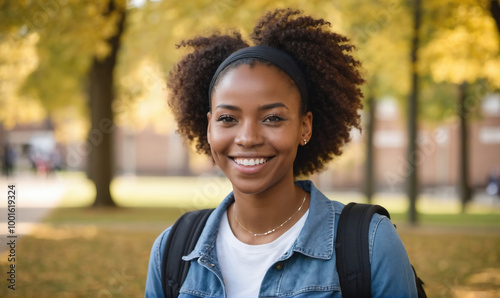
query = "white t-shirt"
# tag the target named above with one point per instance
(243, 266)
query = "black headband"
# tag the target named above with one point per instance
(279, 58)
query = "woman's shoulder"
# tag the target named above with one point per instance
(160, 241)
(380, 225)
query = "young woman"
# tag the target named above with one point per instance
(266, 114)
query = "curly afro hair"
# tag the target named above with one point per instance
(332, 74)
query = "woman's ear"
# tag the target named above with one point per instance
(209, 116)
(307, 122)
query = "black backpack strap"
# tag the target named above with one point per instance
(181, 241)
(420, 285)
(352, 250)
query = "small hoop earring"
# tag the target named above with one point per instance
(305, 142)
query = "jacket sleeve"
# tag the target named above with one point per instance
(153, 281)
(391, 271)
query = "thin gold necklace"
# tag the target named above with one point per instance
(273, 230)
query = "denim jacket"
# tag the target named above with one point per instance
(307, 269)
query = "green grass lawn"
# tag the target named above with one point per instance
(208, 191)
(83, 252)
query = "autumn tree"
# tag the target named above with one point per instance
(76, 45)
(101, 96)
(462, 51)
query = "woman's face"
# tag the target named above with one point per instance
(255, 127)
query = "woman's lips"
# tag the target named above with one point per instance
(250, 165)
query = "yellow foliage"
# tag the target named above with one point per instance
(466, 50)
(102, 49)
(18, 59)
(146, 103)
(380, 32)
(491, 70)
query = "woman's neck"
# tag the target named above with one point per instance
(260, 213)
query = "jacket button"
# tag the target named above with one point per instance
(211, 265)
(279, 266)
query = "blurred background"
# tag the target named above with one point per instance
(89, 143)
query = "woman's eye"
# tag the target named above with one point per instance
(273, 118)
(226, 119)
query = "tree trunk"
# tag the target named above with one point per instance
(495, 13)
(101, 95)
(412, 181)
(370, 127)
(464, 188)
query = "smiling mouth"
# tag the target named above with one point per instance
(248, 162)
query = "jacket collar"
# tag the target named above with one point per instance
(316, 239)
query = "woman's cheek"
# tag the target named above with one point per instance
(220, 139)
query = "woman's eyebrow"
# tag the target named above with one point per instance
(261, 108)
(272, 106)
(229, 107)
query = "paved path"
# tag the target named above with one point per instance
(34, 198)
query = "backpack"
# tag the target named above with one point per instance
(351, 248)
(353, 263)
(181, 241)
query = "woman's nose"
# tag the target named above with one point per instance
(249, 134)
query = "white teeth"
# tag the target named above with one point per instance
(250, 162)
